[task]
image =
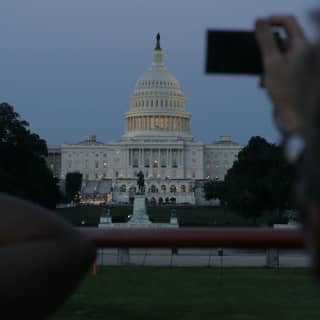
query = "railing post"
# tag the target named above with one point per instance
(272, 258)
(123, 257)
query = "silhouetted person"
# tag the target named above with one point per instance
(292, 80)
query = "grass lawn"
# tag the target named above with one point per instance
(75, 215)
(187, 216)
(194, 293)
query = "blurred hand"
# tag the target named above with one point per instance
(277, 66)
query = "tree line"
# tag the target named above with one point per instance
(23, 167)
(260, 180)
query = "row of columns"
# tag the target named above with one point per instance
(152, 122)
(155, 154)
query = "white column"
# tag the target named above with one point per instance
(142, 158)
(139, 157)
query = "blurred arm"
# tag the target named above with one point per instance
(42, 259)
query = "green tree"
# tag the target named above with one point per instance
(23, 168)
(73, 185)
(260, 180)
(214, 189)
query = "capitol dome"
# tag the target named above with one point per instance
(157, 106)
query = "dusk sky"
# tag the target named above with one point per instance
(69, 66)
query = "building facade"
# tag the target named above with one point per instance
(157, 140)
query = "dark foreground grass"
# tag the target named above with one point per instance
(194, 293)
(187, 216)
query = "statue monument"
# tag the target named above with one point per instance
(140, 182)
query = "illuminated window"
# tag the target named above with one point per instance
(155, 163)
(161, 122)
(117, 163)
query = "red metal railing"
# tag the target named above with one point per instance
(196, 238)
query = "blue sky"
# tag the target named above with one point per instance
(69, 66)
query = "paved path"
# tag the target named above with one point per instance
(203, 258)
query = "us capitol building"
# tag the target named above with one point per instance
(157, 140)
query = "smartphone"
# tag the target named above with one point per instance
(235, 52)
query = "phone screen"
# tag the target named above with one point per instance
(233, 52)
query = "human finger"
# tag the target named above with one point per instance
(262, 82)
(292, 27)
(266, 40)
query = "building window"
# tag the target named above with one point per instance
(155, 163)
(173, 189)
(174, 163)
(183, 188)
(97, 164)
(163, 188)
(105, 164)
(123, 188)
